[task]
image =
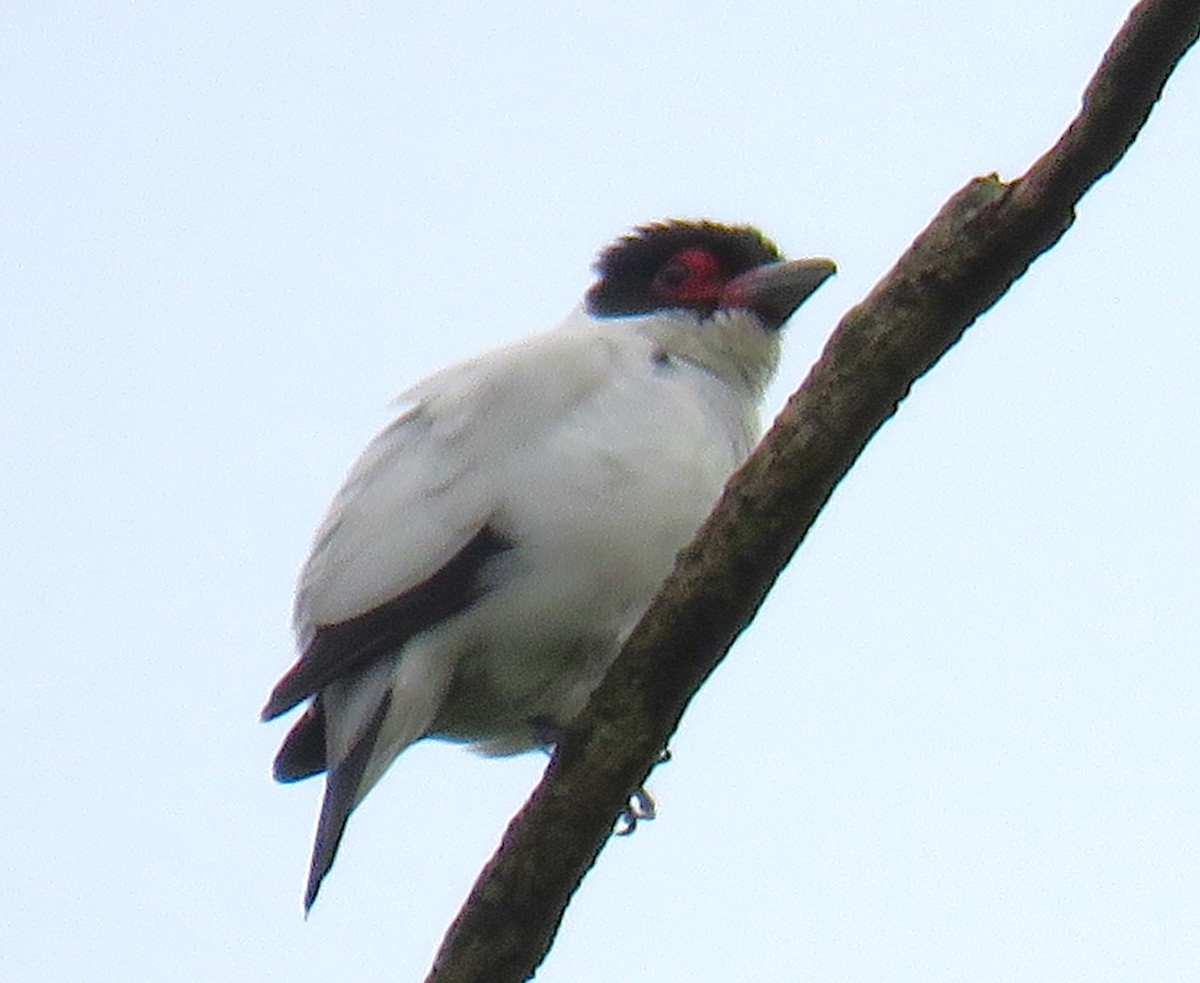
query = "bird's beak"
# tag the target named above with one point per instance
(774, 291)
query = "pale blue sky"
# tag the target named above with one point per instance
(962, 741)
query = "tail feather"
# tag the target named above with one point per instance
(303, 752)
(342, 786)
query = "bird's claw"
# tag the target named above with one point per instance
(641, 806)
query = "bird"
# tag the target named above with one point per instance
(494, 545)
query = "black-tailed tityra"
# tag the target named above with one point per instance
(493, 547)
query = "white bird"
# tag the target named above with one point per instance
(493, 547)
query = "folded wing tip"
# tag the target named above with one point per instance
(271, 710)
(284, 697)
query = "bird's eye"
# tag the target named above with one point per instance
(690, 275)
(671, 277)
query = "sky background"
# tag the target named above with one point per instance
(962, 740)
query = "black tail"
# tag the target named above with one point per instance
(341, 795)
(303, 752)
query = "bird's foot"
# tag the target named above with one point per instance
(641, 805)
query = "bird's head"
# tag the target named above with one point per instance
(730, 283)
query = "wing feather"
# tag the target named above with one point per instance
(427, 484)
(338, 650)
(409, 532)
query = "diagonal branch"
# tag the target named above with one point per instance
(977, 246)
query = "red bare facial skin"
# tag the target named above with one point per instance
(693, 276)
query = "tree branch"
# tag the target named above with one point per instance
(977, 246)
